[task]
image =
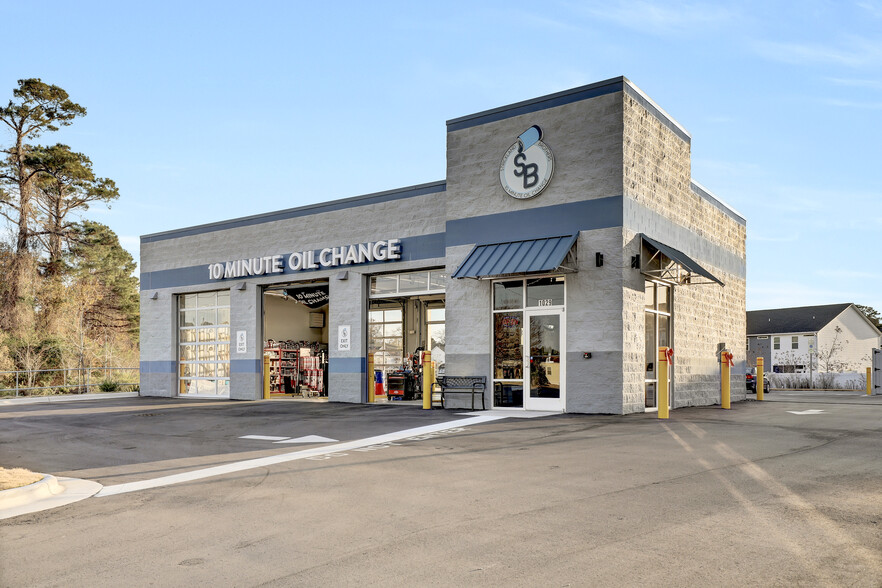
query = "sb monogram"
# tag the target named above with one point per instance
(528, 171)
(527, 165)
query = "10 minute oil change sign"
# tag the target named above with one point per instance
(383, 250)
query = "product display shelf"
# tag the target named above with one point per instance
(275, 369)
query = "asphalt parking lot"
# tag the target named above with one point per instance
(783, 492)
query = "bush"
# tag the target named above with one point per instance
(109, 386)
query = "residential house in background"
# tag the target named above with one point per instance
(828, 338)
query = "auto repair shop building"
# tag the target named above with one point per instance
(567, 243)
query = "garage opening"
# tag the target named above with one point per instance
(295, 328)
(406, 314)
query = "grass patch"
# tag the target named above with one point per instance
(17, 477)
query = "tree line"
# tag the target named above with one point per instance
(67, 294)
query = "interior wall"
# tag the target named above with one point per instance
(289, 320)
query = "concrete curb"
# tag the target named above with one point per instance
(66, 398)
(50, 492)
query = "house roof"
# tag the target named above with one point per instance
(808, 319)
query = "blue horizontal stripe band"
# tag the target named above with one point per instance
(347, 365)
(537, 223)
(158, 367)
(412, 249)
(246, 366)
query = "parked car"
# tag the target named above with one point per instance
(750, 376)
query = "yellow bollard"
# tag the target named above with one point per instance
(428, 380)
(372, 384)
(869, 381)
(760, 377)
(663, 383)
(266, 377)
(726, 384)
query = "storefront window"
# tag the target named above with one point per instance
(545, 292)
(657, 334)
(507, 295)
(204, 345)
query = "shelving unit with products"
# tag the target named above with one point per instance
(297, 367)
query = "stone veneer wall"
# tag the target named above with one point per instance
(660, 201)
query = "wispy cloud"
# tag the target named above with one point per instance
(857, 83)
(659, 18)
(841, 274)
(852, 104)
(535, 19)
(874, 8)
(852, 51)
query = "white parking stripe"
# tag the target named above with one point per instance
(263, 437)
(285, 457)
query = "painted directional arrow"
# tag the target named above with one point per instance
(309, 439)
(810, 411)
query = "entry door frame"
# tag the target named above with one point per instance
(545, 404)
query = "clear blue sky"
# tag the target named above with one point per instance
(203, 111)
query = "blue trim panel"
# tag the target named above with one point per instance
(246, 366)
(159, 367)
(347, 365)
(367, 199)
(537, 223)
(412, 249)
(610, 86)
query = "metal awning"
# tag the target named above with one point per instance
(669, 264)
(532, 256)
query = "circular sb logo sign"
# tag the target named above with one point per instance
(527, 166)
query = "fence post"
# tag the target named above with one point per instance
(16, 384)
(88, 379)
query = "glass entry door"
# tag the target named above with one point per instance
(544, 362)
(529, 370)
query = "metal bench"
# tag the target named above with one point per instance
(473, 385)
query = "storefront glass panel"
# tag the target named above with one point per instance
(508, 359)
(545, 292)
(508, 295)
(657, 333)
(545, 356)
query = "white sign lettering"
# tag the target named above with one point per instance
(328, 257)
(241, 342)
(343, 338)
